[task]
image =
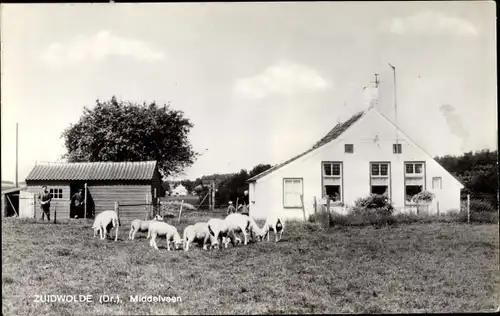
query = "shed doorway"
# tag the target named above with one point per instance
(79, 201)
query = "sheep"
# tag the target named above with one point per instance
(198, 231)
(243, 223)
(142, 226)
(218, 229)
(101, 222)
(274, 223)
(161, 228)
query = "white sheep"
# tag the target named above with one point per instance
(101, 222)
(219, 230)
(238, 222)
(164, 229)
(198, 231)
(273, 223)
(142, 226)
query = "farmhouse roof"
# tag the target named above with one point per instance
(141, 170)
(331, 135)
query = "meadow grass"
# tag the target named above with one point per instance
(436, 267)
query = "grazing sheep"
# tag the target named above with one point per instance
(219, 230)
(142, 226)
(198, 231)
(274, 223)
(101, 222)
(238, 222)
(163, 229)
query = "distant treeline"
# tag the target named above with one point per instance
(478, 172)
(232, 185)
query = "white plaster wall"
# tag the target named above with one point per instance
(266, 195)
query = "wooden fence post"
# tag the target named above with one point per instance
(328, 205)
(117, 210)
(315, 206)
(213, 195)
(180, 211)
(85, 202)
(55, 214)
(468, 208)
(303, 207)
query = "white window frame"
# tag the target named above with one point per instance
(380, 175)
(339, 177)
(397, 149)
(59, 193)
(414, 175)
(298, 190)
(440, 183)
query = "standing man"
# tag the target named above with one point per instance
(45, 199)
(78, 200)
(244, 203)
(231, 209)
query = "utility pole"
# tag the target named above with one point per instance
(395, 104)
(213, 194)
(17, 153)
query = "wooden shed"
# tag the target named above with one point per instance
(131, 184)
(11, 201)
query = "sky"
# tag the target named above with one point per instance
(261, 82)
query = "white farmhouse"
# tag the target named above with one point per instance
(180, 190)
(363, 155)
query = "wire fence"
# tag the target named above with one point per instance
(479, 202)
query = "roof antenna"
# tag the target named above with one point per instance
(395, 103)
(376, 82)
(373, 101)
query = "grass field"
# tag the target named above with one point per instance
(438, 267)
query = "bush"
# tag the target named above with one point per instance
(479, 206)
(423, 197)
(322, 217)
(378, 202)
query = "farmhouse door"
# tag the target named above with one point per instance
(26, 204)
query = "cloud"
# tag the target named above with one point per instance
(96, 48)
(428, 22)
(282, 78)
(454, 123)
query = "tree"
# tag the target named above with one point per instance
(166, 186)
(189, 185)
(123, 131)
(259, 169)
(477, 171)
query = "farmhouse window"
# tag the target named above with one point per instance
(332, 181)
(397, 148)
(349, 148)
(292, 190)
(414, 180)
(437, 183)
(56, 193)
(380, 178)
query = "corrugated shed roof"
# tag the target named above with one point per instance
(333, 134)
(141, 170)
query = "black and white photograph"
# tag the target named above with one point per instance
(239, 158)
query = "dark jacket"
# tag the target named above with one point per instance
(45, 196)
(78, 198)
